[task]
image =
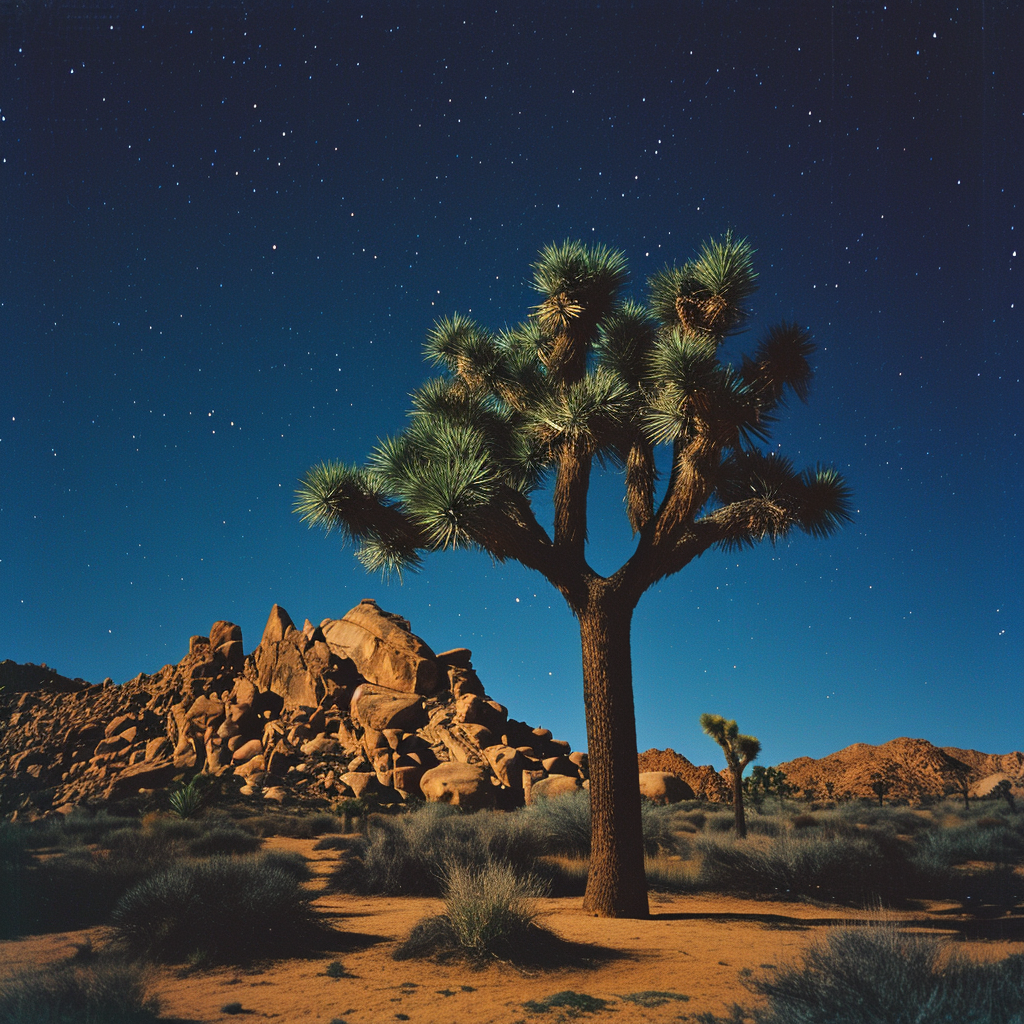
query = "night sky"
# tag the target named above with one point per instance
(227, 230)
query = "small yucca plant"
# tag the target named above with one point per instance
(186, 800)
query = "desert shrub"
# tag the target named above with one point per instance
(491, 908)
(104, 992)
(562, 825)
(945, 847)
(13, 844)
(896, 820)
(805, 864)
(293, 826)
(224, 841)
(799, 821)
(409, 854)
(74, 890)
(489, 912)
(224, 909)
(881, 974)
(78, 828)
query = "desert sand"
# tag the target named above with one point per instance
(693, 946)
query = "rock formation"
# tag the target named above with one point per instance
(356, 706)
(913, 770)
(705, 782)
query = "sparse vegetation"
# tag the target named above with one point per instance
(103, 992)
(225, 909)
(879, 973)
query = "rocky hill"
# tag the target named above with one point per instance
(355, 706)
(912, 769)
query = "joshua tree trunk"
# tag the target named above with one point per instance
(737, 801)
(616, 883)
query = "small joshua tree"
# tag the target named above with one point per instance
(1004, 788)
(739, 751)
(881, 783)
(960, 783)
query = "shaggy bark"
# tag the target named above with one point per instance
(616, 883)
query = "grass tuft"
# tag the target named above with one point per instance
(489, 913)
(103, 992)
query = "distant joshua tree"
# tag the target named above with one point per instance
(592, 379)
(960, 782)
(881, 782)
(1004, 788)
(739, 751)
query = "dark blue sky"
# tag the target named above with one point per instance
(228, 229)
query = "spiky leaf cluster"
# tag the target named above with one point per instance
(591, 375)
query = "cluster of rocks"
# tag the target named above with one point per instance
(355, 707)
(702, 782)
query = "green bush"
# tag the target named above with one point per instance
(945, 847)
(879, 974)
(489, 912)
(805, 863)
(410, 854)
(105, 992)
(225, 909)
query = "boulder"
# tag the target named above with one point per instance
(384, 649)
(664, 788)
(508, 765)
(301, 670)
(555, 786)
(987, 786)
(375, 707)
(462, 785)
(278, 626)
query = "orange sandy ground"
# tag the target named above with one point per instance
(698, 946)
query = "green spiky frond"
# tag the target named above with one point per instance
(782, 360)
(336, 495)
(691, 394)
(708, 295)
(333, 495)
(574, 274)
(625, 342)
(763, 497)
(827, 501)
(587, 413)
(581, 286)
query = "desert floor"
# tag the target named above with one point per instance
(694, 946)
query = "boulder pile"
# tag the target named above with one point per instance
(355, 707)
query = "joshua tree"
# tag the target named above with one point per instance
(739, 751)
(960, 782)
(1004, 788)
(881, 783)
(591, 378)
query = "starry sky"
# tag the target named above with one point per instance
(228, 227)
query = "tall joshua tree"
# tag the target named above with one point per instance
(739, 751)
(593, 377)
